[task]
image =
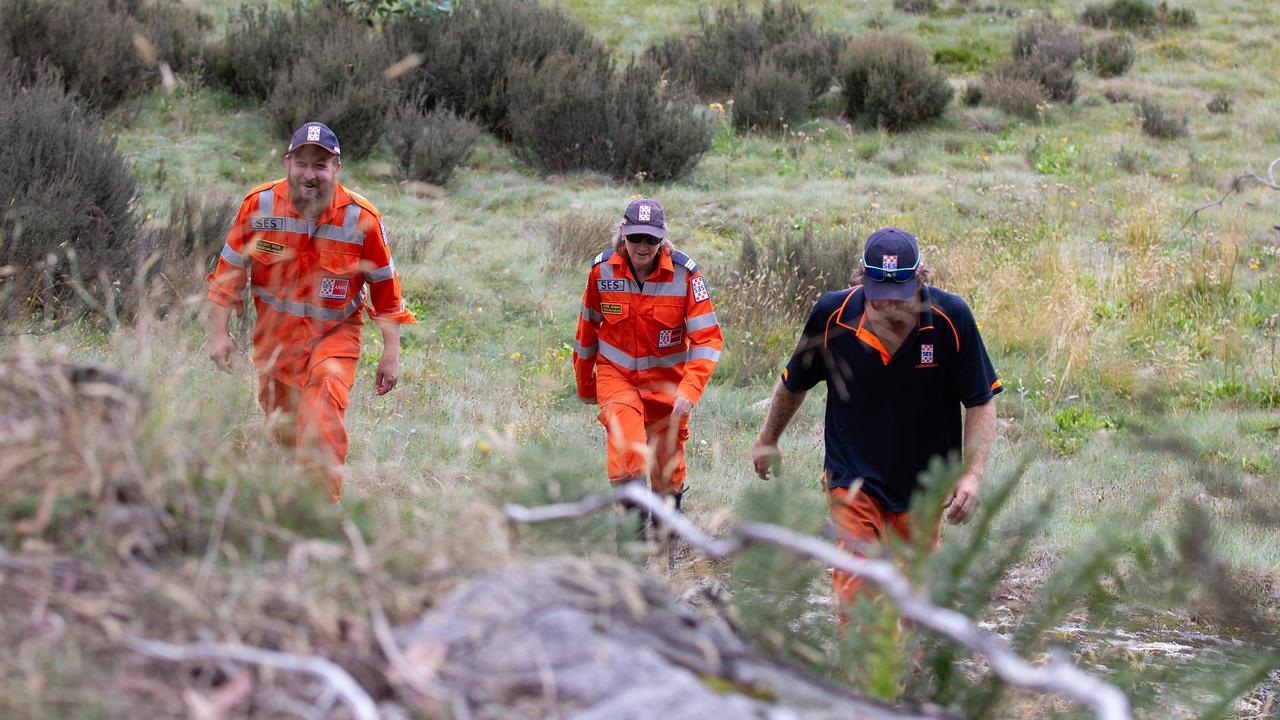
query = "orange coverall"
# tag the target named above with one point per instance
(309, 281)
(635, 350)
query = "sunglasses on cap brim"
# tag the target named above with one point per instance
(898, 275)
(646, 239)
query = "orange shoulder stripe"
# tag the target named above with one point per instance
(954, 334)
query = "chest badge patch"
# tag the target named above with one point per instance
(611, 308)
(268, 247)
(926, 355)
(334, 288)
(700, 289)
(671, 337)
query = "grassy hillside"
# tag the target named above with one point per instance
(1120, 330)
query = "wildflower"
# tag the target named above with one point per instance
(516, 356)
(1254, 264)
(1073, 203)
(483, 446)
(875, 206)
(986, 159)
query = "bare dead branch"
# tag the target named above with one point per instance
(337, 679)
(1059, 677)
(1238, 183)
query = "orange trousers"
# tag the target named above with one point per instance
(860, 520)
(311, 419)
(644, 441)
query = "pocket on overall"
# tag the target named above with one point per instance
(614, 312)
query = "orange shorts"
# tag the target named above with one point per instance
(861, 520)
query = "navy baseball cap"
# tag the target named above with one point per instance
(314, 133)
(644, 217)
(889, 263)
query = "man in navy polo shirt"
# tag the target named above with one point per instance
(899, 358)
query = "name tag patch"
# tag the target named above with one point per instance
(334, 288)
(670, 338)
(611, 285)
(270, 248)
(700, 289)
(611, 308)
(267, 223)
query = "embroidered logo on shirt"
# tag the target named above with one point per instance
(670, 338)
(614, 285)
(890, 262)
(270, 248)
(611, 308)
(334, 288)
(926, 356)
(700, 289)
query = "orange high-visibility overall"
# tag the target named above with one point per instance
(637, 347)
(309, 280)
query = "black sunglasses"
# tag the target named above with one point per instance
(646, 239)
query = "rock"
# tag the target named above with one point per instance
(598, 639)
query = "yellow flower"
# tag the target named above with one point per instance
(1102, 237)
(986, 158)
(1073, 203)
(1254, 264)
(875, 206)
(482, 446)
(516, 356)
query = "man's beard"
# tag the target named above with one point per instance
(310, 208)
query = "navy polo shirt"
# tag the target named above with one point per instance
(887, 417)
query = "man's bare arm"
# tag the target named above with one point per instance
(782, 407)
(220, 347)
(979, 433)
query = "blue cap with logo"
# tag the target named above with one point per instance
(644, 216)
(314, 133)
(890, 260)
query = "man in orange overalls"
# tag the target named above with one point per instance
(314, 254)
(647, 342)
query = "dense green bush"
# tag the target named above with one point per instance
(66, 190)
(1111, 56)
(91, 42)
(557, 118)
(431, 145)
(338, 81)
(467, 56)
(655, 131)
(261, 40)
(731, 45)
(917, 7)
(769, 97)
(888, 81)
(1127, 14)
(1158, 121)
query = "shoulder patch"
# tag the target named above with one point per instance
(601, 257)
(680, 258)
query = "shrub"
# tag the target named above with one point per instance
(1048, 40)
(1111, 56)
(1220, 104)
(91, 42)
(1176, 17)
(888, 81)
(918, 7)
(1056, 81)
(574, 238)
(557, 117)
(1126, 14)
(261, 40)
(769, 97)
(1158, 122)
(338, 81)
(1015, 95)
(65, 188)
(467, 56)
(186, 247)
(730, 43)
(654, 130)
(972, 94)
(431, 145)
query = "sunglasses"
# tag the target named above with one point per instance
(898, 275)
(646, 239)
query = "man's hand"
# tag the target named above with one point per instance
(388, 372)
(963, 501)
(765, 458)
(588, 400)
(222, 351)
(681, 407)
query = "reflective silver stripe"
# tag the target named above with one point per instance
(665, 289)
(704, 353)
(585, 353)
(350, 230)
(232, 256)
(266, 203)
(382, 273)
(300, 309)
(591, 314)
(701, 322)
(623, 360)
